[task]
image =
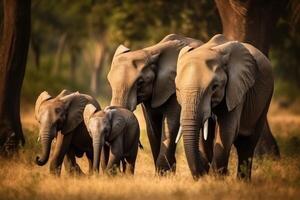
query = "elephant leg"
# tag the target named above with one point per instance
(130, 166)
(225, 136)
(245, 146)
(206, 146)
(154, 128)
(70, 164)
(104, 157)
(166, 160)
(90, 166)
(130, 158)
(221, 155)
(62, 146)
(267, 145)
(115, 156)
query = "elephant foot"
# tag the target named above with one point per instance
(165, 166)
(75, 171)
(55, 171)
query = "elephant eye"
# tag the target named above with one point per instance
(214, 87)
(140, 82)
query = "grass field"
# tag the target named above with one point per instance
(20, 178)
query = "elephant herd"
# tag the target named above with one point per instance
(215, 94)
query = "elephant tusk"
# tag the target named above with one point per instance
(205, 130)
(179, 134)
(38, 139)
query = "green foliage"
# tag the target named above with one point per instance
(136, 24)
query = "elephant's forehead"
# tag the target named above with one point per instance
(194, 73)
(95, 123)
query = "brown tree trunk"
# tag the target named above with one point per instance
(36, 50)
(96, 69)
(59, 53)
(251, 21)
(14, 48)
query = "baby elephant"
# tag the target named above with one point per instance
(115, 131)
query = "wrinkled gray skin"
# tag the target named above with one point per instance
(233, 81)
(115, 131)
(147, 76)
(61, 117)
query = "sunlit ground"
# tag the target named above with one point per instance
(22, 179)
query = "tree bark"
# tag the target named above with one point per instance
(96, 69)
(36, 50)
(59, 53)
(251, 21)
(14, 49)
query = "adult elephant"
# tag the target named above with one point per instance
(147, 76)
(233, 81)
(62, 117)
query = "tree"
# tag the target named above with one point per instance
(250, 21)
(14, 48)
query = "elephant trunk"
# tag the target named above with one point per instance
(97, 147)
(126, 98)
(47, 135)
(190, 130)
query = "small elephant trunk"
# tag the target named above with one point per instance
(97, 147)
(46, 140)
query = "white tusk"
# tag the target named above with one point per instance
(38, 139)
(205, 130)
(179, 134)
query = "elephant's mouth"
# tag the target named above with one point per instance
(142, 97)
(203, 128)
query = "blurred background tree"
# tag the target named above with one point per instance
(73, 42)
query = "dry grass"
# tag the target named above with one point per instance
(22, 179)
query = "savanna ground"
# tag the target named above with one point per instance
(20, 178)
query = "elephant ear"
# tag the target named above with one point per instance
(121, 49)
(44, 96)
(89, 110)
(74, 104)
(184, 50)
(164, 85)
(216, 40)
(63, 93)
(168, 50)
(117, 124)
(241, 70)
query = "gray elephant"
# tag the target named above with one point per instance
(147, 76)
(61, 117)
(232, 81)
(115, 131)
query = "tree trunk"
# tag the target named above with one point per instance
(36, 50)
(73, 65)
(14, 49)
(251, 21)
(59, 53)
(96, 68)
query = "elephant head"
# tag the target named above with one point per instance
(62, 113)
(218, 73)
(103, 126)
(146, 74)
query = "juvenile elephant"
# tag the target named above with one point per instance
(147, 76)
(117, 128)
(233, 81)
(62, 117)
